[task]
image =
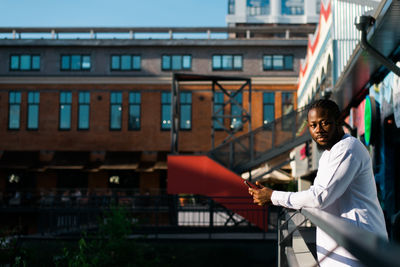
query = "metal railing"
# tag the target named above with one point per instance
(294, 229)
(254, 148)
(57, 214)
(243, 32)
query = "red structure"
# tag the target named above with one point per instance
(202, 176)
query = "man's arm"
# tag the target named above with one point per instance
(334, 179)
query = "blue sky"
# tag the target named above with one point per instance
(124, 13)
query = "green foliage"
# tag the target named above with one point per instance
(110, 246)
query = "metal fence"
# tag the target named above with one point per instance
(56, 213)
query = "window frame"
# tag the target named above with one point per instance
(134, 102)
(221, 62)
(171, 64)
(167, 103)
(185, 104)
(69, 94)
(240, 109)
(86, 102)
(71, 68)
(265, 104)
(273, 68)
(118, 93)
(217, 105)
(16, 102)
(31, 62)
(30, 104)
(132, 58)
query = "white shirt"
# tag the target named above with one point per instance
(345, 187)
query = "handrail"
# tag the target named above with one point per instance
(367, 247)
(266, 142)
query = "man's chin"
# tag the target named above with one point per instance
(323, 147)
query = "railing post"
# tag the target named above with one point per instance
(211, 225)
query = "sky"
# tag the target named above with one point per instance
(113, 13)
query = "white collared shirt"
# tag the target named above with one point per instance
(345, 187)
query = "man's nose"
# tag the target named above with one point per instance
(319, 128)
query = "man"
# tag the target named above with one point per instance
(344, 185)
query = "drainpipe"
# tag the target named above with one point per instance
(362, 24)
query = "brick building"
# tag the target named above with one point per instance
(91, 111)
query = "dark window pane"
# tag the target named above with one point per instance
(126, 62)
(176, 62)
(116, 112)
(136, 62)
(33, 115)
(237, 62)
(166, 116)
(267, 62)
(86, 62)
(134, 117)
(14, 115)
(83, 122)
(278, 62)
(288, 62)
(35, 62)
(75, 62)
(218, 122)
(65, 63)
(14, 64)
(216, 61)
(25, 62)
(65, 116)
(186, 117)
(166, 62)
(115, 62)
(187, 62)
(227, 62)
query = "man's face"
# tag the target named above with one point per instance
(323, 128)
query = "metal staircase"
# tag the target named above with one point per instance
(248, 151)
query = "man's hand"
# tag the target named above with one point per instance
(262, 195)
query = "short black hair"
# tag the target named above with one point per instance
(329, 105)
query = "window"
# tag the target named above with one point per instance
(14, 110)
(134, 111)
(290, 7)
(236, 111)
(176, 62)
(24, 62)
(83, 110)
(218, 122)
(33, 110)
(185, 120)
(287, 108)
(125, 62)
(268, 107)
(116, 111)
(278, 62)
(231, 7)
(65, 110)
(165, 111)
(75, 62)
(227, 62)
(258, 7)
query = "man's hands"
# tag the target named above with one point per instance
(262, 195)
